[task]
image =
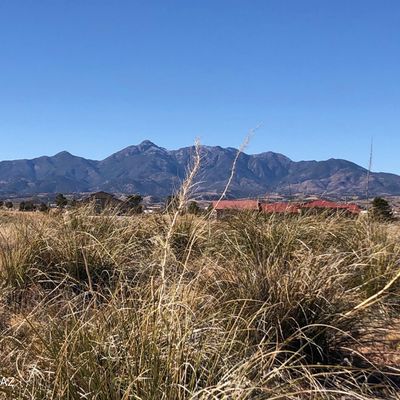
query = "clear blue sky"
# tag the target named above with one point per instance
(94, 76)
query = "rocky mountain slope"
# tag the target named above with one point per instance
(153, 170)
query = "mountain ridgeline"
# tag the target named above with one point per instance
(152, 170)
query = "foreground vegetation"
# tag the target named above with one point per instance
(186, 307)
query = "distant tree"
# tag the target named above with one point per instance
(73, 203)
(381, 209)
(30, 206)
(43, 207)
(193, 208)
(134, 203)
(1, 203)
(27, 206)
(61, 200)
(9, 205)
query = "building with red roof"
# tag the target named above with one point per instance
(223, 207)
(332, 206)
(226, 207)
(282, 207)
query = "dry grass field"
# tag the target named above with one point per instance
(185, 307)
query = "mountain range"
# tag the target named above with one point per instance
(152, 170)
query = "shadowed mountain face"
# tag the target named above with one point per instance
(152, 170)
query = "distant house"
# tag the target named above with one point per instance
(102, 200)
(353, 208)
(331, 206)
(281, 208)
(228, 207)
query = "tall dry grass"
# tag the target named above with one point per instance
(178, 307)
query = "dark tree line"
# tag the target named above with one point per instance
(381, 210)
(30, 206)
(6, 204)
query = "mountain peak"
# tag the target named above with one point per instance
(144, 147)
(63, 154)
(147, 143)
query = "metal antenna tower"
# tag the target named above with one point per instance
(369, 168)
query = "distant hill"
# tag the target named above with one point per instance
(152, 170)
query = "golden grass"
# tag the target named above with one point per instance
(185, 307)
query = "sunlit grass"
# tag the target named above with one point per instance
(188, 307)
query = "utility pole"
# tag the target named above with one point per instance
(369, 168)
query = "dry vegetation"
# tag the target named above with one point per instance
(184, 307)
